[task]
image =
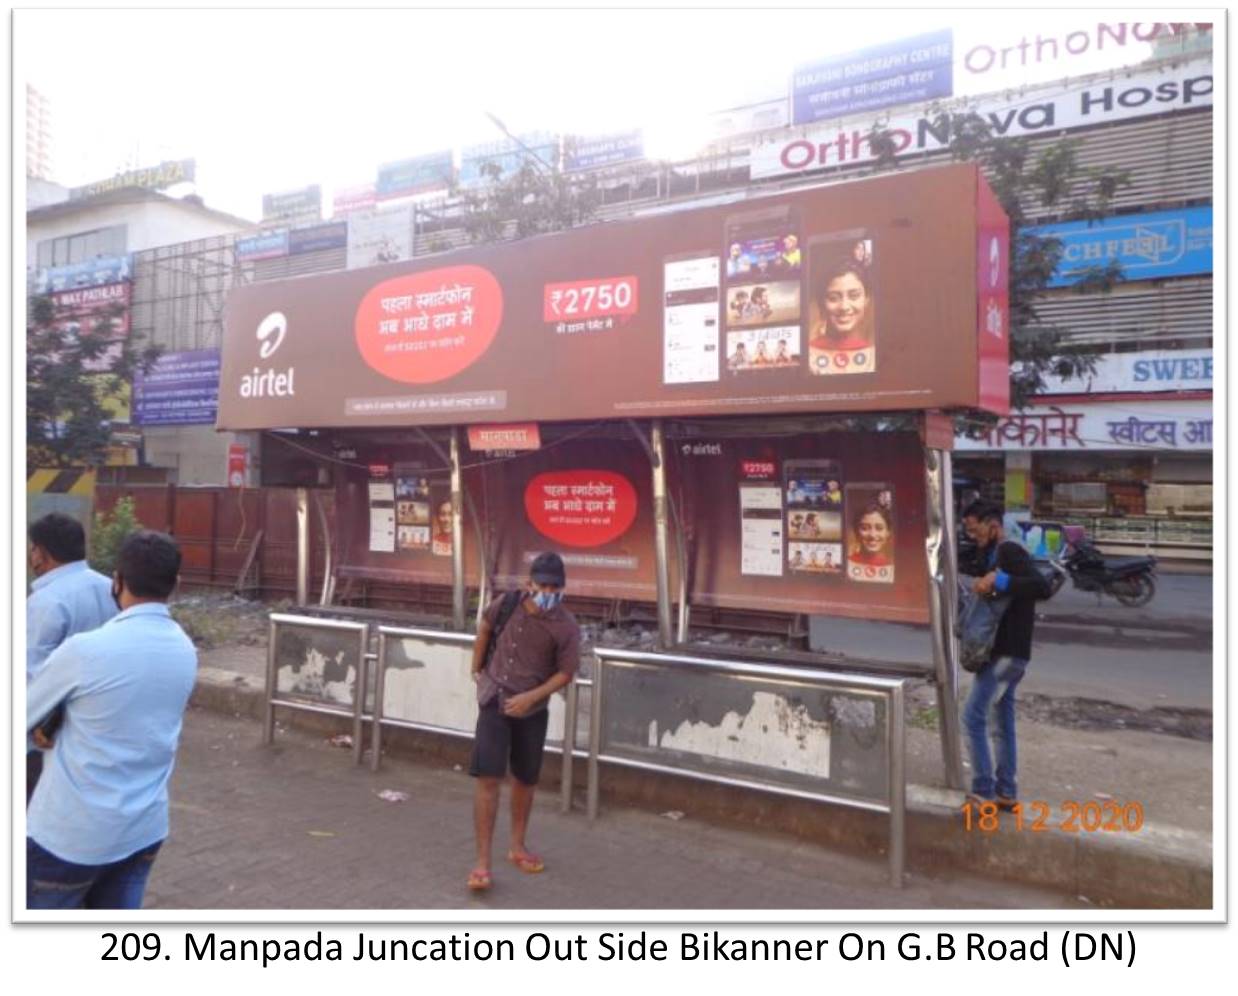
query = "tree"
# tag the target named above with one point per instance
(71, 374)
(1051, 183)
(535, 199)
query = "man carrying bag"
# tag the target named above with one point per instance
(1010, 575)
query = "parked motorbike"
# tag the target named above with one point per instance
(1128, 579)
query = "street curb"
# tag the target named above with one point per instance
(1162, 868)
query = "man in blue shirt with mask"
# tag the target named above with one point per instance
(100, 812)
(66, 597)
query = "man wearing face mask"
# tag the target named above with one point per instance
(66, 597)
(536, 652)
(100, 812)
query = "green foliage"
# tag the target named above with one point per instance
(109, 533)
(67, 421)
(536, 199)
(1049, 185)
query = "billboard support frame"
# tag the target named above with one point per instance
(943, 577)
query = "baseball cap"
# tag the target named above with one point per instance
(548, 569)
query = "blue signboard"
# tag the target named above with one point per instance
(508, 156)
(1148, 246)
(312, 238)
(264, 246)
(181, 389)
(415, 176)
(901, 72)
(89, 273)
(607, 150)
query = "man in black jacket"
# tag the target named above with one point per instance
(1010, 572)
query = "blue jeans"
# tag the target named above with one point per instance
(53, 884)
(992, 694)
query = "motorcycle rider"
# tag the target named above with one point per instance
(1009, 571)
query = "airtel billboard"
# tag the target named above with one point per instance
(880, 294)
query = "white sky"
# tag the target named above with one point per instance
(271, 100)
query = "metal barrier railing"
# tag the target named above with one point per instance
(446, 704)
(634, 693)
(290, 649)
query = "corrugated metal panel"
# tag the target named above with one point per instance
(1176, 313)
(1169, 160)
(300, 265)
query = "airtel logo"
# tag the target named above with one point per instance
(995, 261)
(269, 383)
(275, 324)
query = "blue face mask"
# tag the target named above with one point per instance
(547, 600)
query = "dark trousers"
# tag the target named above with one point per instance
(55, 884)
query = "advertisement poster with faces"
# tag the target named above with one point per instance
(762, 267)
(813, 490)
(412, 511)
(842, 312)
(784, 302)
(440, 518)
(870, 533)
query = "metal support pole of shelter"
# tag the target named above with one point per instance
(303, 543)
(571, 713)
(943, 577)
(457, 534)
(661, 536)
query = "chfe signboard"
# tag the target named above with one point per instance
(876, 295)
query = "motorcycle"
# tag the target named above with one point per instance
(1128, 579)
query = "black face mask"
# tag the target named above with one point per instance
(116, 590)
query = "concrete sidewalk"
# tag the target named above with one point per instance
(297, 826)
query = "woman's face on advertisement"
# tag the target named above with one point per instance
(846, 300)
(874, 533)
(444, 516)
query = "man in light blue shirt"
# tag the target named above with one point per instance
(100, 812)
(67, 597)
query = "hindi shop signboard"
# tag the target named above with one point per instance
(267, 245)
(1182, 426)
(181, 389)
(811, 301)
(901, 72)
(89, 273)
(1102, 102)
(1147, 246)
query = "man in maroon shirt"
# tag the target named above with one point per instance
(536, 652)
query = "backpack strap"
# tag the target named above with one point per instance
(506, 608)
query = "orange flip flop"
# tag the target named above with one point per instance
(479, 880)
(528, 863)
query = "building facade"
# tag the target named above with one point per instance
(1126, 451)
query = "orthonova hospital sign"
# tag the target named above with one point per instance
(1101, 102)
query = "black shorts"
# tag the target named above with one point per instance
(501, 739)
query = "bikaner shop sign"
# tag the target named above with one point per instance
(722, 310)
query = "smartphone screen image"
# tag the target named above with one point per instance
(842, 299)
(690, 331)
(762, 310)
(760, 520)
(814, 528)
(870, 528)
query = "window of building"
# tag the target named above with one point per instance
(82, 246)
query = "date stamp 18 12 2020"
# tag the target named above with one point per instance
(1070, 816)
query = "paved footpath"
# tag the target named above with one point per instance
(297, 826)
